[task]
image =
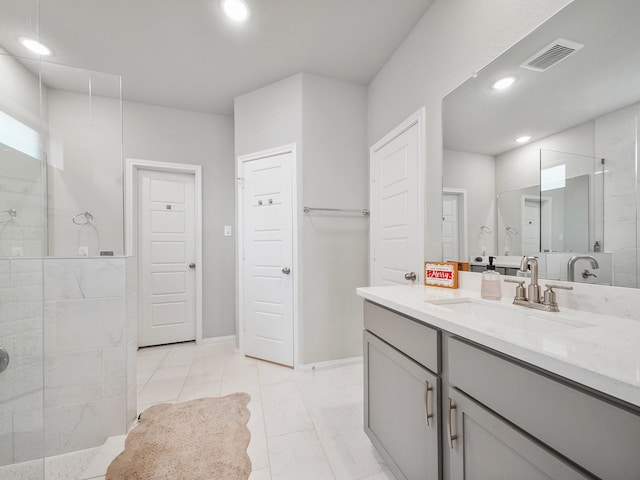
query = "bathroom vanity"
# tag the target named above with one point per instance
(458, 387)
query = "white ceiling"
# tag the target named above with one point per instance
(600, 78)
(186, 54)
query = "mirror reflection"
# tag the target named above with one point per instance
(548, 166)
(60, 160)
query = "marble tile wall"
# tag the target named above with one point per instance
(22, 336)
(553, 266)
(21, 233)
(616, 301)
(616, 141)
(89, 337)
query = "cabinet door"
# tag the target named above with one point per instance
(484, 446)
(401, 411)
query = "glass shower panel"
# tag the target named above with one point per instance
(571, 183)
(84, 164)
(22, 248)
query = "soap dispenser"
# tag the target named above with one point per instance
(491, 288)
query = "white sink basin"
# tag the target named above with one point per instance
(509, 315)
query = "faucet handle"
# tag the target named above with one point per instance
(550, 296)
(550, 287)
(520, 291)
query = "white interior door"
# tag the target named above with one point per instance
(166, 256)
(395, 211)
(267, 285)
(530, 226)
(450, 230)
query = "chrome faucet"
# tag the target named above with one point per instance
(571, 266)
(533, 292)
(531, 297)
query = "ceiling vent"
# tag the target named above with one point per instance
(551, 55)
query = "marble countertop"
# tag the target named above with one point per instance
(603, 353)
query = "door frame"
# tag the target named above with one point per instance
(461, 193)
(240, 161)
(132, 167)
(417, 118)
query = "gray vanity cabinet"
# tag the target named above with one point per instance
(401, 417)
(439, 406)
(483, 446)
(402, 396)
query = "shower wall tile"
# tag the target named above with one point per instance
(71, 378)
(132, 339)
(86, 321)
(616, 142)
(132, 377)
(114, 372)
(6, 439)
(132, 316)
(77, 427)
(78, 278)
(99, 323)
(28, 435)
(26, 272)
(5, 273)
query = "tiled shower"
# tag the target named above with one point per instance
(68, 300)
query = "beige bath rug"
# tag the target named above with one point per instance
(204, 439)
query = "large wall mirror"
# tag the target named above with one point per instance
(548, 165)
(60, 160)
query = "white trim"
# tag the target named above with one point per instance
(417, 118)
(228, 339)
(463, 225)
(272, 152)
(132, 165)
(342, 362)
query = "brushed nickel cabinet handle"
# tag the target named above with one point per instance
(410, 276)
(451, 406)
(428, 416)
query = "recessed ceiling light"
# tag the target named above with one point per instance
(503, 83)
(35, 46)
(236, 10)
(523, 139)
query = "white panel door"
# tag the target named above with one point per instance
(450, 233)
(267, 216)
(166, 255)
(530, 226)
(397, 252)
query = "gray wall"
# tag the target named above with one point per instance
(171, 135)
(451, 41)
(326, 119)
(269, 117)
(334, 249)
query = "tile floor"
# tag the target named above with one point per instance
(303, 425)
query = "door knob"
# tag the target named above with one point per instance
(192, 265)
(4, 360)
(286, 270)
(410, 276)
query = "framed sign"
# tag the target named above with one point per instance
(441, 274)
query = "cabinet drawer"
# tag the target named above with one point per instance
(595, 434)
(411, 337)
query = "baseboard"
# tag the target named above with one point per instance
(218, 340)
(341, 362)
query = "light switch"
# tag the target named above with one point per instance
(227, 230)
